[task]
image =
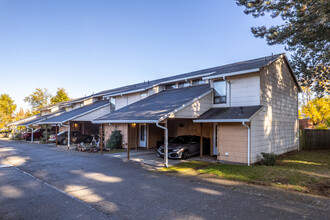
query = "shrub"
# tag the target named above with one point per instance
(115, 140)
(269, 159)
(18, 136)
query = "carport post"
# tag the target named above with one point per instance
(101, 138)
(56, 134)
(201, 142)
(69, 135)
(32, 135)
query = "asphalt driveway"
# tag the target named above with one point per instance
(49, 183)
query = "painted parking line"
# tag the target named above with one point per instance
(5, 166)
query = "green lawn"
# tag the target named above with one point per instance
(304, 171)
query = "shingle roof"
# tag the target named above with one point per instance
(40, 118)
(243, 113)
(67, 116)
(155, 106)
(234, 67)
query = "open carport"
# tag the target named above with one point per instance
(79, 120)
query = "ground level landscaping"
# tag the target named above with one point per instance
(303, 171)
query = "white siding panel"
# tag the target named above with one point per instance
(245, 90)
(196, 109)
(95, 114)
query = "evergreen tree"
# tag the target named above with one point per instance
(305, 31)
(61, 96)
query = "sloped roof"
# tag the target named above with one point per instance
(40, 118)
(234, 67)
(32, 117)
(67, 116)
(155, 106)
(229, 114)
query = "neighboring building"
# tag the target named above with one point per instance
(244, 108)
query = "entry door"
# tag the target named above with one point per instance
(215, 139)
(143, 135)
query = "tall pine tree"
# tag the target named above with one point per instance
(305, 31)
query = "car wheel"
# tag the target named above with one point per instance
(64, 141)
(185, 154)
(88, 140)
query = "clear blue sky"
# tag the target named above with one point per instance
(90, 46)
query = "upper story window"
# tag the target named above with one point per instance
(143, 95)
(112, 104)
(170, 86)
(183, 84)
(220, 92)
(198, 82)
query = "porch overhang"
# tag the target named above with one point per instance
(73, 114)
(123, 121)
(229, 114)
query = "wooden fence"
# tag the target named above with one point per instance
(316, 139)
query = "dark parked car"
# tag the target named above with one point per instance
(37, 134)
(181, 147)
(75, 137)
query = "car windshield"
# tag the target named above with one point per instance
(181, 140)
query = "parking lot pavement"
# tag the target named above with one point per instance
(22, 196)
(50, 183)
(149, 157)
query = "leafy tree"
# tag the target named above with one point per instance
(318, 110)
(306, 32)
(22, 114)
(38, 99)
(7, 108)
(61, 96)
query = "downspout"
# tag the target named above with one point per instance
(166, 144)
(68, 126)
(249, 141)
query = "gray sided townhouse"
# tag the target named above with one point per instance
(242, 108)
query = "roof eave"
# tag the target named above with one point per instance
(61, 122)
(233, 73)
(219, 120)
(123, 121)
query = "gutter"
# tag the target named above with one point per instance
(123, 121)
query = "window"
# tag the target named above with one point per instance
(220, 92)
(143, 95)
(170, 86)
(183, 84)
(112, 104)
(197, 82)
